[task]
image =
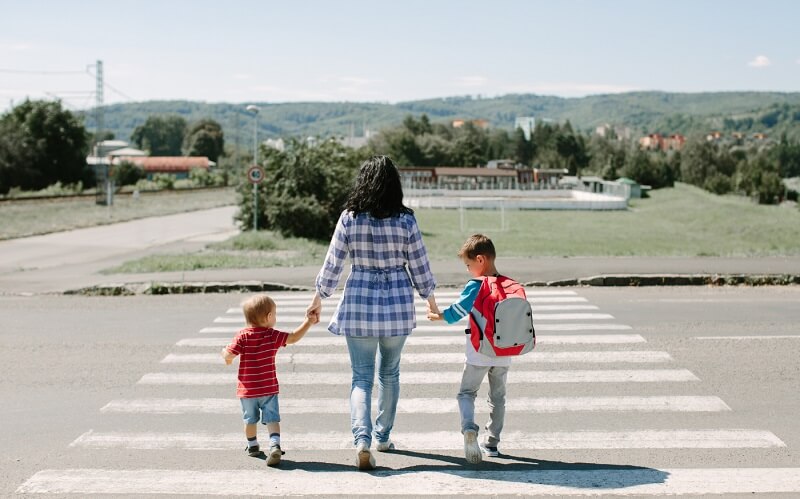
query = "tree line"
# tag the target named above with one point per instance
(754, 170)
(42, 144)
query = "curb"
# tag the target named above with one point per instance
(177, 288)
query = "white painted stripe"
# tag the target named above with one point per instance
(420, 305)
(515, 377)
(689, 403)
(221, 329)
(288, 357)
(448, 440)
(760, 337)
(416, 340)
(283, 319)
(427, 327)
(419, 309)
(451, 292)
(568, 481)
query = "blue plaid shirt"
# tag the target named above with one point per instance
(388, 261)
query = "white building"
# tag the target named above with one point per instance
(527, 124)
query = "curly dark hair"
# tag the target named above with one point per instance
(377, 190)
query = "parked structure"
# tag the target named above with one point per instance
(179, 166)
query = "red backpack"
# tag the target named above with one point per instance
(501, 319)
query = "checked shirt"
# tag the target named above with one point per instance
(388, 261)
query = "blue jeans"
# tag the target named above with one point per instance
(362, 361)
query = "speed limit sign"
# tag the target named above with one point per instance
(255, 174)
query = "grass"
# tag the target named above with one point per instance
(246, 250)
(26, 218)
(682, 221)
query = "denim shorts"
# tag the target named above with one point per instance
(264, 408)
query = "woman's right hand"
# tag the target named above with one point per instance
(314, 309)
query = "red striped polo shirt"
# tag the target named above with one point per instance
(256, 348)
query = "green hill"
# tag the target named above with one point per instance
(643, 112)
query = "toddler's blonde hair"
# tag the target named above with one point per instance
(257, 308)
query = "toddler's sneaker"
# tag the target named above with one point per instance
(472, 450)
(385, 446)
(253, 451)
(364, 458)
(274, 456)
(490, 451)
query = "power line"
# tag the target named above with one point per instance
(109, 86)
(39, 72)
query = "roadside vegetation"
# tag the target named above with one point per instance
(22, 218)
(679, 221)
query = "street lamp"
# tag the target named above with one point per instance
(254, 109)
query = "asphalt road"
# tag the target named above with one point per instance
(118, 396)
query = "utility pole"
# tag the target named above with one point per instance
(98, 100)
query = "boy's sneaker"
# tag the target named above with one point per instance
(274, 456)
(489, 450)
(472, 450)
(385, 446)
(253, 451)
(364, 458)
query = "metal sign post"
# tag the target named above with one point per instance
(255, 175)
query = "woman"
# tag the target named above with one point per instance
(376, 312)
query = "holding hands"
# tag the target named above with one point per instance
(434, 314)
(314, 309)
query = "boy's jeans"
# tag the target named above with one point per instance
(362, 361)
(470, 383)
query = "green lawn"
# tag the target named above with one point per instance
(27, 218)
(683, 221)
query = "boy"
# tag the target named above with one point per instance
(478, 254)
(257, 344)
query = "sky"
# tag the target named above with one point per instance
(264, 51)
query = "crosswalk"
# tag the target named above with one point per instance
(591, 379)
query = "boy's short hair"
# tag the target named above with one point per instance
(477, 244)
(256, 308)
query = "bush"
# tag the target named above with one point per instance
(770, 189)
(206, 178)
(304, 190)
(128, 173)
(164, 181)
(298, 217)
(718, 184)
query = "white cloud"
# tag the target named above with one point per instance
(358, 81)
(240, 76)
(15, 47)
(472, 81)
(761, 61)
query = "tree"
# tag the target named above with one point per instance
(524, 149)
(161, 135)
(205, 138)
(787, 156)
(127, 173)
(572, 149)
(698, 159)
(41, 144)
(470, 146)
(305, 189)
(758, 177)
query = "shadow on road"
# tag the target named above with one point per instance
(517, 469)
